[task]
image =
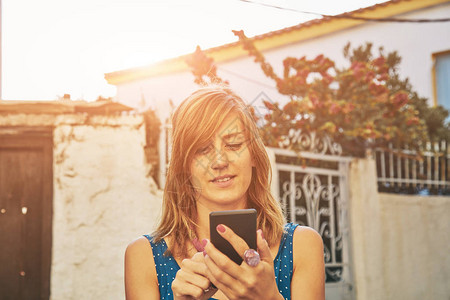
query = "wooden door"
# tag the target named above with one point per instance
(26, 184)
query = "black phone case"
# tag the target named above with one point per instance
(242, 222)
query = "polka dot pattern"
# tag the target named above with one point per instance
(284, 263)
(167, 267)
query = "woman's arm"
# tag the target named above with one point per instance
(308, 279)
(141, 281)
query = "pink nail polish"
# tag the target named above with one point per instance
(197, 245)
(204, 242)
(220, 228)
(262, 234)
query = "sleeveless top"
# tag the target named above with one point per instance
(167, 267)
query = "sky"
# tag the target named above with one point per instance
(56, 47)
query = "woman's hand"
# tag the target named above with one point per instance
(244, 281)
(191, 281)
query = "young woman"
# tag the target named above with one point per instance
(219, 163)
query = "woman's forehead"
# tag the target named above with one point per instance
(231, 126)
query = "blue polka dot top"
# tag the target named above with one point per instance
(167, 267)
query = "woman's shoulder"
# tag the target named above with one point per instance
(139, 244)
(140, 268)
(307, 244)
(306, 234)
(301, 235)
(139, 250)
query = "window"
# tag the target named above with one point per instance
(442, 79)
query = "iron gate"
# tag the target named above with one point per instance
(313, 190)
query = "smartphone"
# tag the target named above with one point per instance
(242, 222)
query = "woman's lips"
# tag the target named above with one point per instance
(223, 181)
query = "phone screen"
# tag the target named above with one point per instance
(242, 222)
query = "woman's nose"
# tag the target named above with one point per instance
(220, 160)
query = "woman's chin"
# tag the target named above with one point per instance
(230, 203)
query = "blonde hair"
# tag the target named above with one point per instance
(195, 121)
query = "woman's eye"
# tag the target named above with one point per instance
(204, 150)
(234, 147)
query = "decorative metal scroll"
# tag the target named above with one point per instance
(315, 200)
(310, 142)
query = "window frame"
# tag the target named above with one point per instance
(434, 57)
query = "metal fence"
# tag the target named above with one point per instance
(313, 191)
(424, 172)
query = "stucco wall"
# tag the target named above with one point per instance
(364, 212)
(103, 199)
(400, 243)
(416, 246)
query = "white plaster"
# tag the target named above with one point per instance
(103, 200)
(416, 244)
(365, 229)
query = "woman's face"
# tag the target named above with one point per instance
(221, 170)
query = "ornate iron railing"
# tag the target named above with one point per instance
(316, 195)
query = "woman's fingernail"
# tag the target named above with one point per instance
(204, 242)
(197, 245)
(204, 253)
(220, 228)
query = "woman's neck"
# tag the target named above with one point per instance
(203, 216)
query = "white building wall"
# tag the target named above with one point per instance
(415, 43)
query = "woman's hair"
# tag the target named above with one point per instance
(195, 122)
